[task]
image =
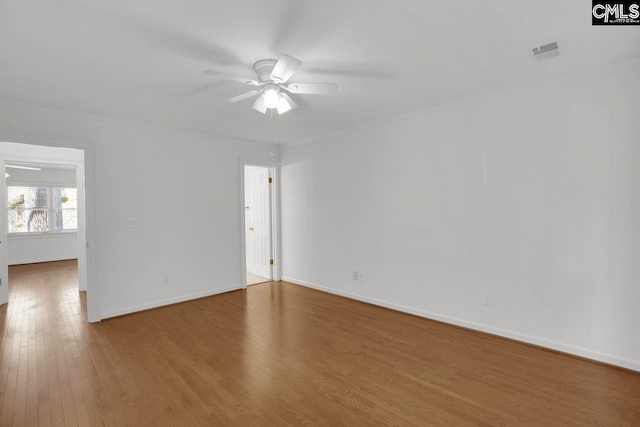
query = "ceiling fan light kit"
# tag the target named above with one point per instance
(259, 105)
(272, 79)
(285, 104)
(271, 95)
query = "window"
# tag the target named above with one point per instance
(42, 209)
(65, 209)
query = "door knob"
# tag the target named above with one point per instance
(250, 228)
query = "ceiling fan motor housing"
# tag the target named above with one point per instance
(271, 86)
(263, 69)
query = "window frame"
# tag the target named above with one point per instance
(50, 211)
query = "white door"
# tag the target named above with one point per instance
(259, 223)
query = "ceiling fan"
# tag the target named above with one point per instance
(272, 84)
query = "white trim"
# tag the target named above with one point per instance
(39, 260)
(530, 339)
(61, 233)
(71, 152)
(169, 301)
(4, 254)
(276, 247)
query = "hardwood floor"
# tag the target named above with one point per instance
(279, 354)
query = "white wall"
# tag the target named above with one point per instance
(26, 249)
(150, 173)
(553, 234)
(42, 248)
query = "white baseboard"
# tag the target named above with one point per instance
(168, 301)
(39, 260)
(542, 342)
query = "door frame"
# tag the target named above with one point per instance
(87, 269)
(274, 205)
(81, 233)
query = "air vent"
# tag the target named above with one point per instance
(547, 51)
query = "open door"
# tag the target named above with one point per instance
(258, 221)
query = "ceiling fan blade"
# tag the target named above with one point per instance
(355, 72)
(284, 68)
(313, 88)
(242, 97)
(286, 104)
(203, 89)
(214, 73)
(259, 105)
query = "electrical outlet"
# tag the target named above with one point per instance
(486, 300)
(132, 223)
(165, 280)
(357, 276)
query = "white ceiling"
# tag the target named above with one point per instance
(48, 174)
(143, 60)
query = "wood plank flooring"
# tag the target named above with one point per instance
(277, 355)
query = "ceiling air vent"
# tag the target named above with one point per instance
(547, 51)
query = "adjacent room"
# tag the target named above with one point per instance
(42, 229)
(42, 216)
(338, 213)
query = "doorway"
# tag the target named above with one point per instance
(42, 228)
(258, 224)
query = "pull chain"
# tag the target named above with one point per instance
(271, 119)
